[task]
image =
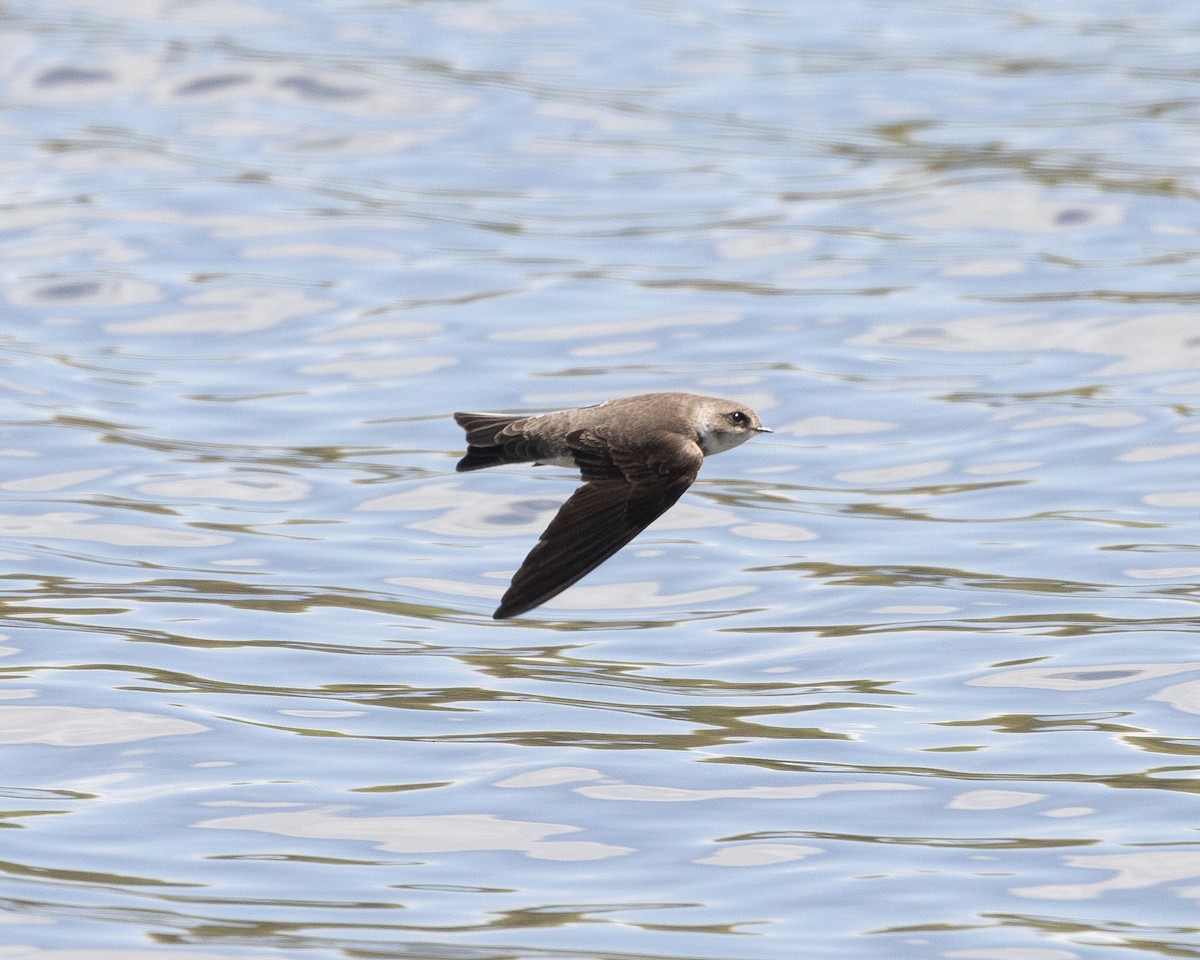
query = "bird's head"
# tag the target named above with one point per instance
(724, 424)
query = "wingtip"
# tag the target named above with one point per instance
(514, 606)
(506, 611)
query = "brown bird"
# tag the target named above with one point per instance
(636, 456)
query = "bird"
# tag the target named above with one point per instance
(636, 457)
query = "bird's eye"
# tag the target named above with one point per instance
(738, 419)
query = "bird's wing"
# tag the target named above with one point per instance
(599, 519)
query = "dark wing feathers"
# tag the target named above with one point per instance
(593, 456)
(628, 485)
(598, 520)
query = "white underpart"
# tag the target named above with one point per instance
(559, 462)
(716, 435)
(714, 442)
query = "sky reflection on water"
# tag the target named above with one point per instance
(914, 676)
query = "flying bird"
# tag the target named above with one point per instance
(636, 455)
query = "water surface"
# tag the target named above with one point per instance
(914, 676)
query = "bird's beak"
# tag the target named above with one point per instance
(763, 430)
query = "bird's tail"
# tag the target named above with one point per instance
(486, 440)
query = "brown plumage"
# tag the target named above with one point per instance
(636, 455)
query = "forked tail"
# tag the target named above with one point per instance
(487, 443)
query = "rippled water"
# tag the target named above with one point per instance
(915, 676)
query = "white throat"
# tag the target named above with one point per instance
(714, 441)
